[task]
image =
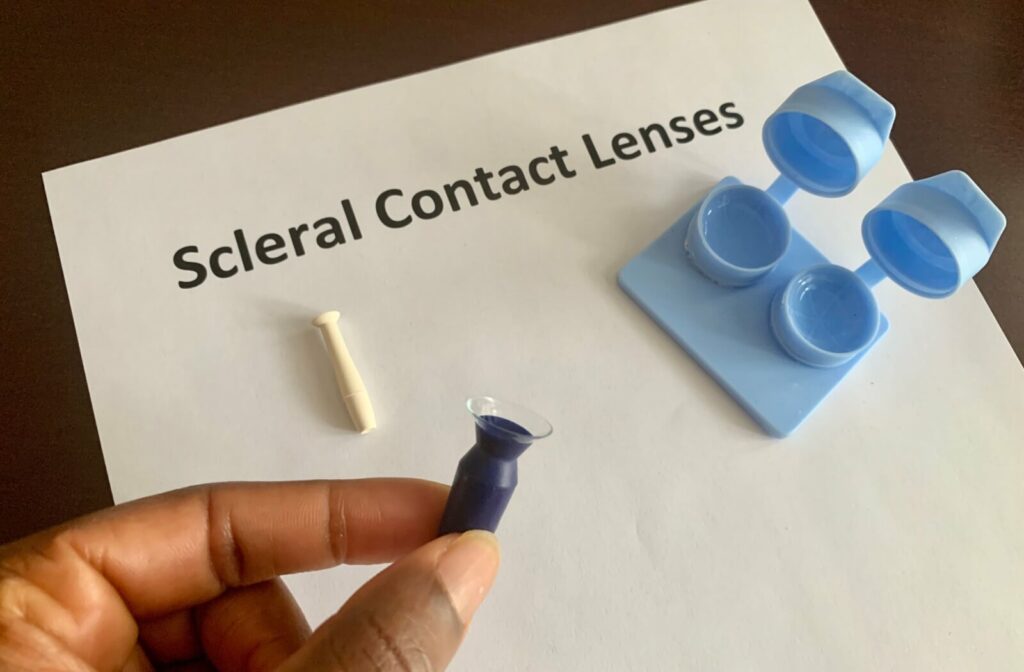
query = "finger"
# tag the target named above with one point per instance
(410, 617)
(170, 638)
(193, 666)
(173, 551)
(183, 548)
(138, 662)
(253, 628)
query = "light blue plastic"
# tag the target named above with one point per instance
(824, 138)
(828, 134)
(824, 316)
(932, 235)
(728, 331)
(776, 324)
(929, 236)
(739, 235)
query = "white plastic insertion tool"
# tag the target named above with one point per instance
(350, 383)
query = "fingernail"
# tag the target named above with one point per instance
(467, 570)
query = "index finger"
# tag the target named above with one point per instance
(183, 548)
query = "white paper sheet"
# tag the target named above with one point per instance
(658, 529)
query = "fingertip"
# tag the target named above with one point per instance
(467, 570)
(411, 616)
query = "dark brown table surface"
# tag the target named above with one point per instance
(80, 82)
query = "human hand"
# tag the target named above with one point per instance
(188, 580)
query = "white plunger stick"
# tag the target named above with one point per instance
(350, 383)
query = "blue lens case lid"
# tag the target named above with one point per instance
(932, 235)
(828, 134)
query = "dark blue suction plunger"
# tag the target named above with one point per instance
(487, 475)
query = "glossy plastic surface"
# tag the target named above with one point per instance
(757, 305)
(487, 474)
(740, 234)
(828, 134)
(825, 316)
(728, 330)
(930, 236)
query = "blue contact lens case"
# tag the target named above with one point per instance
(757, 305)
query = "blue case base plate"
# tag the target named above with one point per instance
(728, 331)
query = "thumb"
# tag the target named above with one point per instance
(410, 617)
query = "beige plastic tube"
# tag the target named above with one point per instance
(350, 383)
